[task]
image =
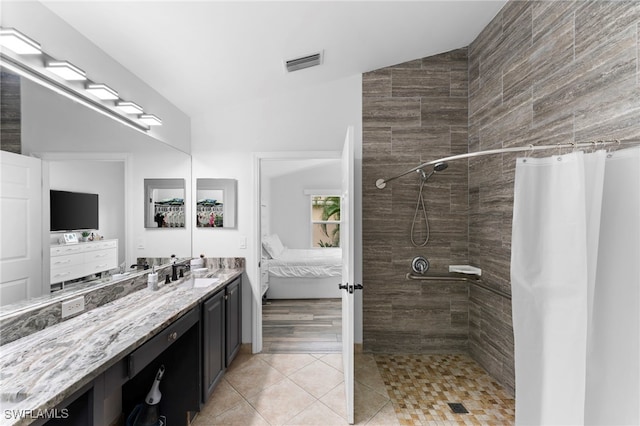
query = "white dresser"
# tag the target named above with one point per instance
(69, 262)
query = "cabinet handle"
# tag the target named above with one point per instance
(62, 274)
(226, 297)
(173, 336)
(61, 262)
(101, 266)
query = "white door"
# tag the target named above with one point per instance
(347, 244)
(21, 227)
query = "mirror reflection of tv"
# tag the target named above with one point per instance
(72, 211)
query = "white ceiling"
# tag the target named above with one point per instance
(207, 54)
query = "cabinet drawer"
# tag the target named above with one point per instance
(100, 266)
(63, 250)
(97, 255)
(146, 353)
(66, 261)
(67, 273)
(101, 245)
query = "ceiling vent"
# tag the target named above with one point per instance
(303, 62)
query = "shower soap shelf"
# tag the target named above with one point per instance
(465, 269)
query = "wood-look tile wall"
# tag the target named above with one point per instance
(540, 73)
(412, 113)
(10, 115)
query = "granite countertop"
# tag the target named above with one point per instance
(41, 370)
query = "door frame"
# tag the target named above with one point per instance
(258, 157)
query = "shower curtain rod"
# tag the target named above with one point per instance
(382, 183)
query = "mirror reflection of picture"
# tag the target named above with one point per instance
(165, 203)
(210, 211)
(216, 203)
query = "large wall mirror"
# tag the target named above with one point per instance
(87, 152)
(216, 203)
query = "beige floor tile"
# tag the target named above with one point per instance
(367, 403)
(335, 400)
(281, 402)
(223, 398)
(253, 377)
(317, 378)
(334, 360)
(288, 364)
(317, 414)
(369, 375)
(242, 414)
(242, 360)
(385, 417)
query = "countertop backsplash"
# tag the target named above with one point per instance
(26, 321)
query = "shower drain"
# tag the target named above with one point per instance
(457, 408)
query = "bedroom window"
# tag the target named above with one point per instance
(325, 221)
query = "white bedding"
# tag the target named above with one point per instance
(308, 263)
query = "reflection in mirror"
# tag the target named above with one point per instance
(78, 149)
(164, 203)
(216, 203)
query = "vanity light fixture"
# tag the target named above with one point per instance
(66, 70)
(129, 107)
(102, 91)
(150, 120)
(18, 42)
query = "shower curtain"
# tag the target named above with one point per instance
(575, 276)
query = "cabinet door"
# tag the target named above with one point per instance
(213, 343)
(234, 320)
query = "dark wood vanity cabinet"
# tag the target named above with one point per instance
(222, 334)
(233, 329)
(213, 337)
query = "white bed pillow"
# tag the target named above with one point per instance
(273, 245)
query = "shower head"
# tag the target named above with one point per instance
(438, 167)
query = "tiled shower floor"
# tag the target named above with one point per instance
(307, 389)
(421, 386)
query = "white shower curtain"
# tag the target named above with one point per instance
(575, 279)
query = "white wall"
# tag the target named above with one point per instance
(105, 178)
(223, 145)
(289, 208)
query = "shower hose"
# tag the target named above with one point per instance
(420, 203)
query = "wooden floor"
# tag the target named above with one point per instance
(302, 326)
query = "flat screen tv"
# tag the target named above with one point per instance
(71, 211)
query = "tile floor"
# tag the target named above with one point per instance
(308, 389)
(421, 386)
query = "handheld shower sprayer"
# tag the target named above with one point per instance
(438, 167)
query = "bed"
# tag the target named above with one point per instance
(301, 273)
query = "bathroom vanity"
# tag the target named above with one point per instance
(96, 367)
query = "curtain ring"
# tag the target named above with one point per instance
(528, 153)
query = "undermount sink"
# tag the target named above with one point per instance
(204, 282)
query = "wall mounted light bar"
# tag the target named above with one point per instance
(66, 70)
(129, 107)
(102, 91)
(18, 42)
(150, 120)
